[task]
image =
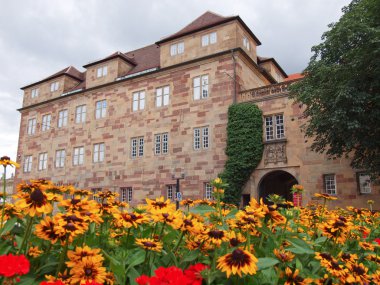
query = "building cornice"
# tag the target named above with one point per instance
(246, 56)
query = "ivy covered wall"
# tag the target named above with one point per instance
(244, 148)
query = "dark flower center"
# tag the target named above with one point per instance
(326, 256)
(159, 204)
(358, 270)
(70, 227)
(75, 201)
(239, 258)
(216, 234)
(3, 158)
(37, 196)
(88, 272)
(149, 244)
(234, 242)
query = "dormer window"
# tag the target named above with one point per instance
(209, 39)
(101, 71)
(35, 92)
(54, 86)
(177, 48)
(246, 43)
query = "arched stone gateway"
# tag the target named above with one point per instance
(277, 182)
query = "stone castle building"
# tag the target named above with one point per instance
(134, 122)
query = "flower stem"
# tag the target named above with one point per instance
(26, 234)
(179, 241)
(63, 256)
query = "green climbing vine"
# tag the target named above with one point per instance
(244, 148)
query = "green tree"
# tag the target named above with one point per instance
(340, 90)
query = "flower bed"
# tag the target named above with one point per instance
(103, 241)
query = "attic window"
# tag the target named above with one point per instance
(35, 92)
(246, 43)
(54, 86)
(177, 48)
(209, 39)
(101, 71)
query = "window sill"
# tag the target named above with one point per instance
(275, 141)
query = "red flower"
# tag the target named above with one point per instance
(58, 282)
(143, 280)
(194, 273)
(11, 265)
(377, 240)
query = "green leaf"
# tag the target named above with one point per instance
(132, 275)
(27, 280)
(300, 246)
(190, 256)
(266, 262)
(202, 209)
(136, 259)
(299, 264)
(8, 226)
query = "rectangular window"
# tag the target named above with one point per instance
(32, 126)
(200, 87)
(126, 194)
(161, 143)
(78, 155)
(80, 114)
(35, 92)
(177, 48)
(62, 118)
(28, 163)
(101, 71)
(209, 39)
(208, 191)
(94, 192)
(60, 156)
(330, 184)
(246, 43)
(201, 138)
(364, 183)
(162, 96)
(98, 155)
(101, 108)
(137, 147)
(138, 101)
(169, 191)
(42, 161)
(54, 86)
(274, 127)
(46, 120)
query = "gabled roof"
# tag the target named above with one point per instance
(110, 57)
(206, 21)
(70, 71)
(145, 58)
(261, 60)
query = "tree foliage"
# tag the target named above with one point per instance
(341, 88)
(244, 148)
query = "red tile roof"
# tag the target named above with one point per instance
(294, 76)
(146, 58)
(205, 21)
(70, 71)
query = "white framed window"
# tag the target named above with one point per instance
(274, 127)
(161, 142)
(201, 138)
(78, 155)
(94, 192)
(62, 118)
(208, 191)
(129, 194)
(101, 71)
(364, 181)
(138, 101)
(32, 126)
(60, 156)
(246, 43)
(126, 194)
(169, 191)
(209, 39)
(42, 161)
(28, 163)
(54, 86)
(35, 92)
(177, 48)
(137, 147)
(80, 114)
(162, 96)
(98, 155)
(101, 109)
(200, 87)
(330, 184)
(46, 121)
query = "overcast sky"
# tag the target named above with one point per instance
(41, 37)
